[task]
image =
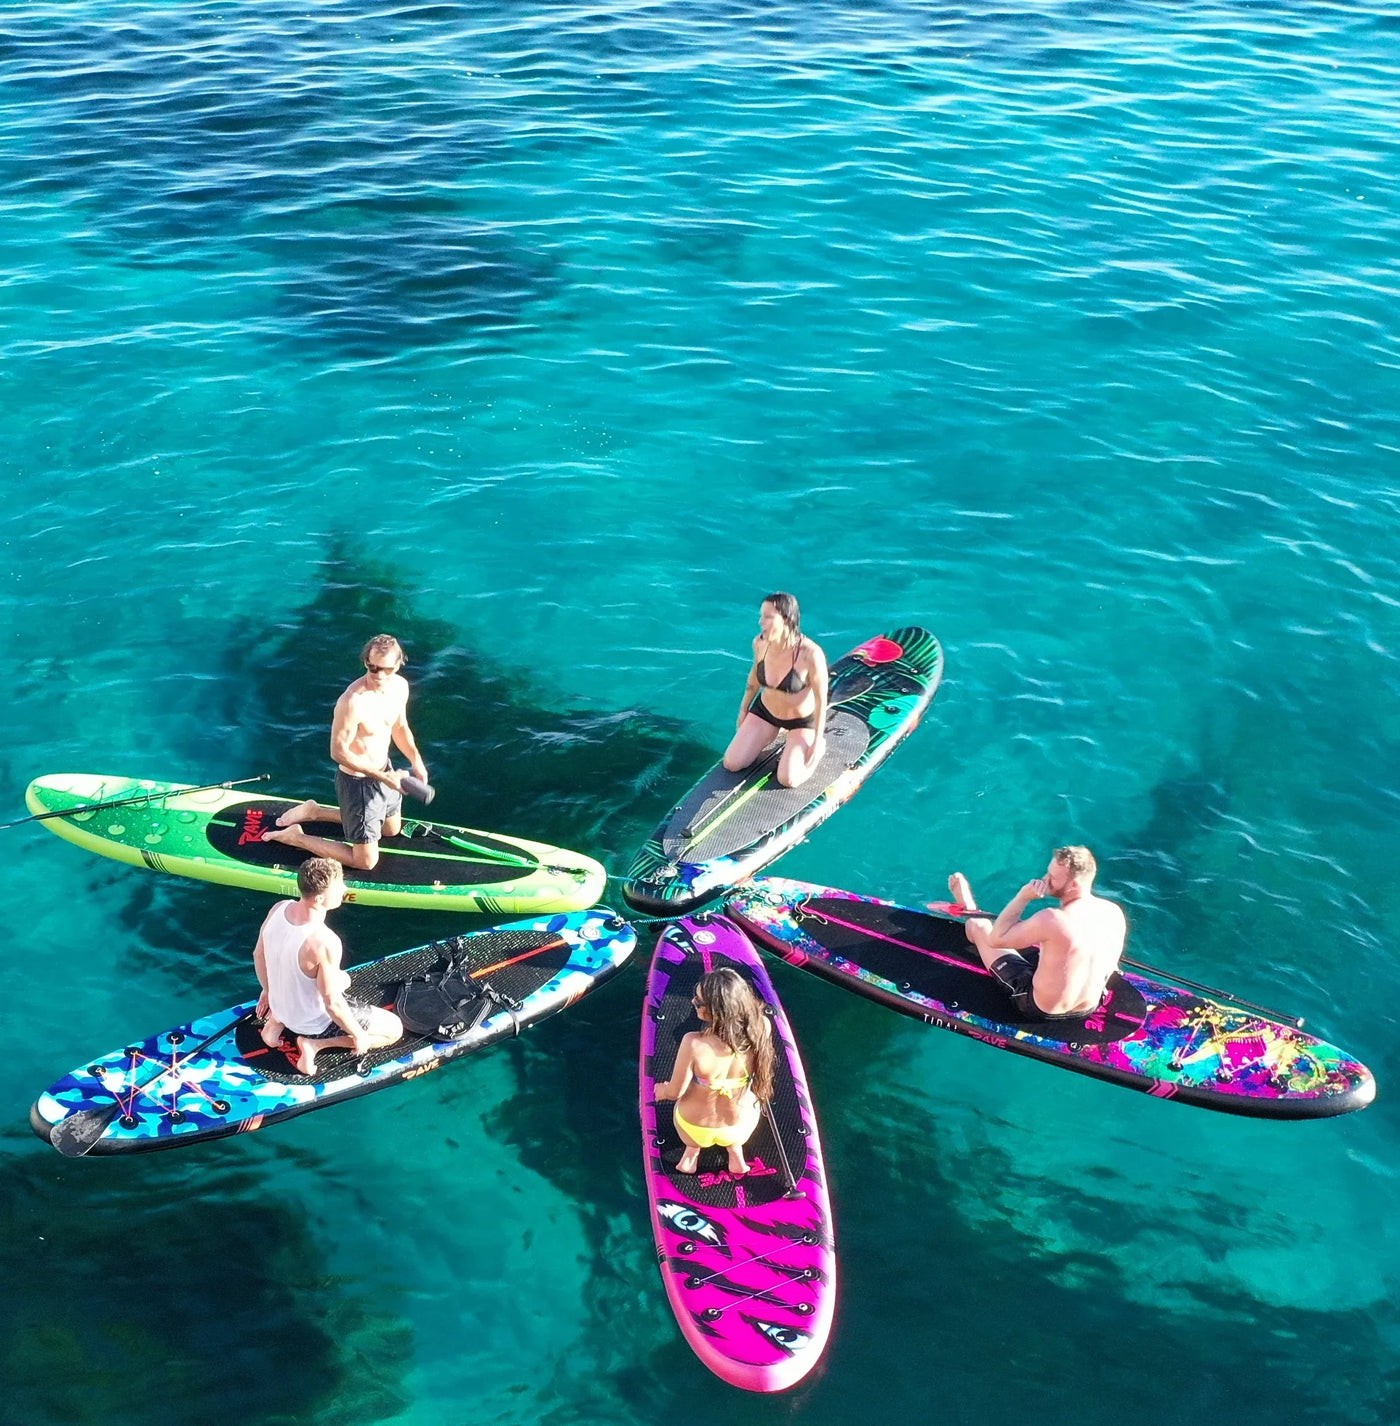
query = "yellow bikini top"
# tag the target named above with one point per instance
(729, 1087)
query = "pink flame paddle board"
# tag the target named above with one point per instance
(749, 1263)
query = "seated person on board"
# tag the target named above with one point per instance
(1080, 941)
(297, 959)
(724, 1073)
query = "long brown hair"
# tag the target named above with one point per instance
(737, 1018)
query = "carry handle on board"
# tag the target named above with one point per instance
(132, 801)
(76, 1134)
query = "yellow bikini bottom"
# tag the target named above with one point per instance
(707, 1136)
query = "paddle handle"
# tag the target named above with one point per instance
(76, 1134)
(132, 801)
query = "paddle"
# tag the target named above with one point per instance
(1297, 1021)
(74, 1135)
(792, 1189)
(131, 801)
(848, 686)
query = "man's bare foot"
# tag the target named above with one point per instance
(300, 813)
(961, 891)
(292, 836)
(306, 1060)
(688, 1161)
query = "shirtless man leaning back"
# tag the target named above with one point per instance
(373, 710)
(1080, 941)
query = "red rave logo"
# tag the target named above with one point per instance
(879, 650)
(252, 827)
(757, 1169)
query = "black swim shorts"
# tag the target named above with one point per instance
(1017, 973)
(362, 1012)
(365, 805)
(810, 721)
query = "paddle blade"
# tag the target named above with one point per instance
(75, 1134)
(851, 685)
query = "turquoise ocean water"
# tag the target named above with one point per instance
(552, 337)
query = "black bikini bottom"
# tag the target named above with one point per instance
(810, 721)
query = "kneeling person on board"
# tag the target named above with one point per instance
(369, 713)
(1080, 941)
(724, 1073)
(793, 702)
(297, 959)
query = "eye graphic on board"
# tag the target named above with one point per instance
(788, 1339)
(690, 1224)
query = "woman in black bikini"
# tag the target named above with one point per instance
(786, 692)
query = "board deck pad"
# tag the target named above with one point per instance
(543, 954)
(175, 1089)
(726, 820)
(419, 856)
(1146, 1034)
(931, 956)
(732, 825)
(215, 834)
(748, 1263)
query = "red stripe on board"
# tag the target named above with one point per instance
(922, 950)
(538, 951)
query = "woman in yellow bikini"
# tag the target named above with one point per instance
(724, 1073)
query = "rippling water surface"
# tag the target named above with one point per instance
(553, 338)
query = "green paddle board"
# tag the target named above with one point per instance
(215, 834)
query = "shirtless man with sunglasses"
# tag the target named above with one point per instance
(368, 715)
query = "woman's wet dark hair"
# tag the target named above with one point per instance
(786, 606)
(737, 1018)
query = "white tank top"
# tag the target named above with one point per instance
(292, 995)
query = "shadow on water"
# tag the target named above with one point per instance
(200, 143)
(382, 281)
(501, 758)
(163, 1298)
(216, 1290)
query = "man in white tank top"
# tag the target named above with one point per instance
(303, 987)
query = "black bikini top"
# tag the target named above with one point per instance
(792, 683)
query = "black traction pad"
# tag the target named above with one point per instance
(675, 1017)
(378, 982)
(420, 856)
(932, 955)
(761, 812)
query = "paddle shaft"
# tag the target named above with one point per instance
(759, 770)
(131, 801)
(1297, 1021)
(782, 1152)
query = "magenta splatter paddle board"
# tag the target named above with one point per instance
(749, 1263)
(1148, 1034)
